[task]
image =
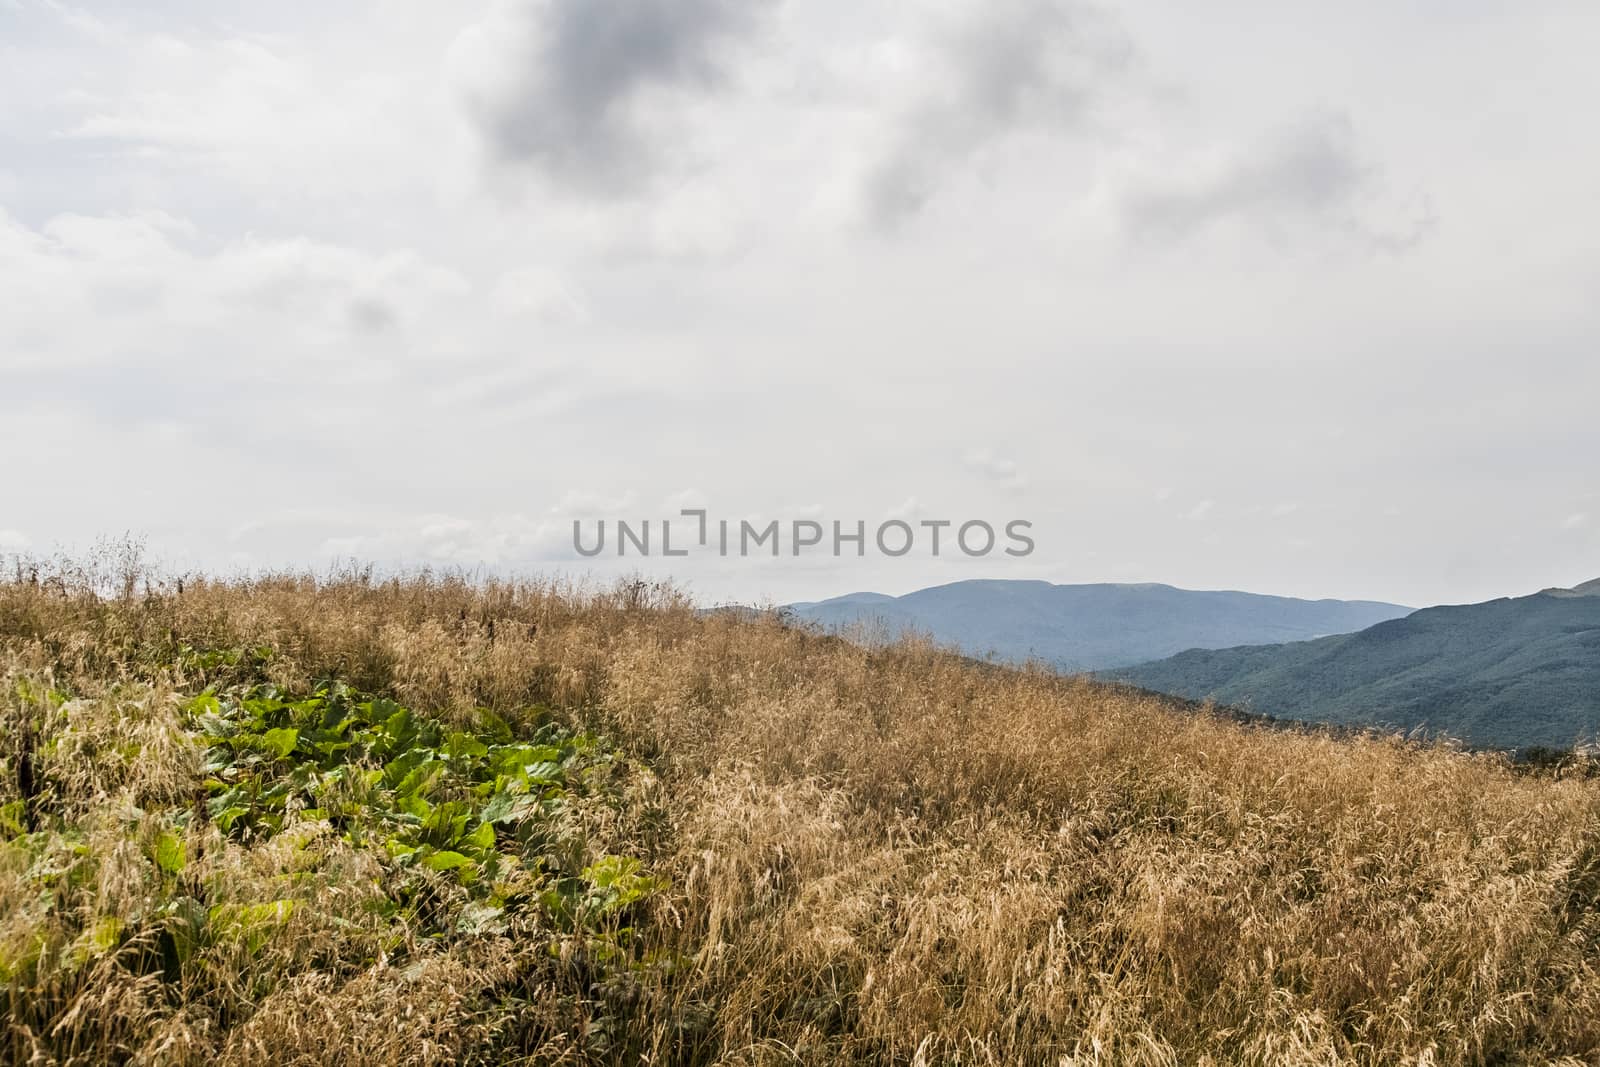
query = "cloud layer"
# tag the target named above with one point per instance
(419, 281)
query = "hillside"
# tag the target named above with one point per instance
(1508, 673)
(1092, 627)
(1586, 589)
(350, 821)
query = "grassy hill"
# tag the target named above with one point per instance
(1092, 627)
(1508, 673)
(357, 821)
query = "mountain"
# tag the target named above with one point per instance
(1586, 589)
(839, 602)
(1509, 673)
(1091, 627)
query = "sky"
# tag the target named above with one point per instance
(1289, 297)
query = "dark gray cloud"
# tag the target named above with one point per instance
(1310, 173)
(570, 104)
(1009, 65)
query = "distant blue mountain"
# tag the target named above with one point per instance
(1510, 673)
(1092, 627)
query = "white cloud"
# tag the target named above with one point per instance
(1003, 473)
(909, 509)
(540, 293)
(497, 541)
(167, 294)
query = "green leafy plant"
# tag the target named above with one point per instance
(479, 807)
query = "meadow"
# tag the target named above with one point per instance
(430, 820)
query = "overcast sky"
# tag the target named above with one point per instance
(1282, 296)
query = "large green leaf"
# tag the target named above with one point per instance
(171, 855)
(252, 924)
(446, 861)
(281, 742)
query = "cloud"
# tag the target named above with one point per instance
(539, 293)
(1575, 522)
(572, 87)
(265, 111)
(1008, 66)
(13, 541)
(1002, 472)
(452, 540)
(371, 314)
(909, 510)
(166, 294)
(1312, 173)
(507, 540)
(334, 283)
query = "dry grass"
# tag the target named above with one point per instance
(884, 855)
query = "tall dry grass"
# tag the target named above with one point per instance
(876, 855)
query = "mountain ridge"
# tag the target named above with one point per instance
(1507, 673)
(1092, 626)
(1586, 589)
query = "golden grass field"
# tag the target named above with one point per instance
(767, 846)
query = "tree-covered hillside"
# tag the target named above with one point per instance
(1507, 673)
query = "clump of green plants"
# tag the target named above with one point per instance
(479, 805)
(192, 858)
